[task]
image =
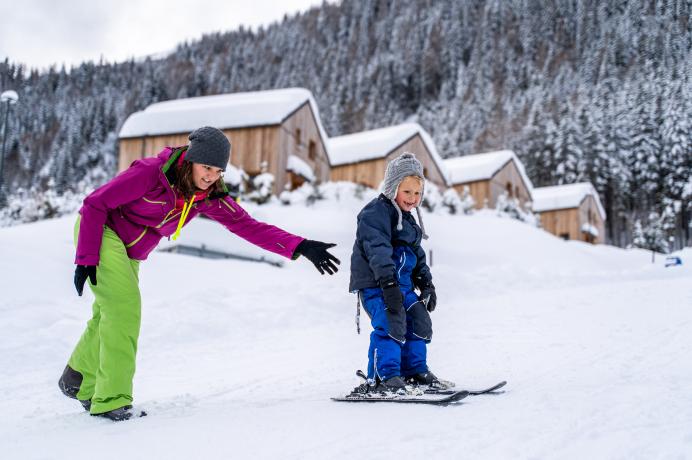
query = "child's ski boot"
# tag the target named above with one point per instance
(394, 385)
(430, 381)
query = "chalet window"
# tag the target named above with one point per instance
(425, 172)
(564, 236)
(298, 139)
(510, 194)
(516, 191)
(312, 150)
(296, 180)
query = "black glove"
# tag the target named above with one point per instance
(80, 276)
(393, 299)
(316, 252)
(428, 296)
(427, 292)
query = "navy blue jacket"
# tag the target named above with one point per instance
(376, 237)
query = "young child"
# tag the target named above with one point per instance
(120, 223)
(387, 265)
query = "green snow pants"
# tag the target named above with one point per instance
(105, 354)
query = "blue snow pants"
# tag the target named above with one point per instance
(398, 343)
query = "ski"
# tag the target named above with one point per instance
(448, 390)
(492, 389)
(431, 399)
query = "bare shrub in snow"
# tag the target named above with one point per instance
(510, 207)
(31, 205)
(432, 198)
(456, 204)
(260, 188)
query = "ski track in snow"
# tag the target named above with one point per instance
(239, 359)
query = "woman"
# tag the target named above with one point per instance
(120, 223)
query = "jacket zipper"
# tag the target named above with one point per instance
(154, 202)
(167, 218)
(138, 238)
(221, 200)
(402, 259)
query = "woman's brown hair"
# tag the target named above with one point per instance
(186, 186)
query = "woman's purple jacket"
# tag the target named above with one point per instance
(139, 206)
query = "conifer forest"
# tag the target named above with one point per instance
(588, 90)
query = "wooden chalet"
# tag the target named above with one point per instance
(362, 157)
(275, 131)
(572, 212)
(489, 175)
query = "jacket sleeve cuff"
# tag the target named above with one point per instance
(296, 253)
(86, 259)
(387, 282)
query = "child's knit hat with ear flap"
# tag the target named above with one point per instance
(400, 167)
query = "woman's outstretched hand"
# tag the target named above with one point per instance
(316, 252)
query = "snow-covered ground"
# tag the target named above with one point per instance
(239, 359)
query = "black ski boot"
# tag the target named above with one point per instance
(430, 380)
(69, 383)
(117, 415)
(393, 385)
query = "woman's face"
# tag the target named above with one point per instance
(204, 175)
(409, 194)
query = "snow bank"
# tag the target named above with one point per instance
(239, 359)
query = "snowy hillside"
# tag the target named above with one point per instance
(239, 359)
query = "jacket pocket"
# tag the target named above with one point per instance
(141, 235)
(230, 210)
(153, 201)
(419, 322)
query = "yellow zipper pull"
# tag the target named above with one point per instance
(183, 216)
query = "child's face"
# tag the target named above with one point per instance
(409, 194)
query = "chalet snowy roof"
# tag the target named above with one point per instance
(483, 166)
(565, 197)
(378, 143)
(223, 111)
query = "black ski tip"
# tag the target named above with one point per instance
(458, 396)
(489, 390)
(496, 387)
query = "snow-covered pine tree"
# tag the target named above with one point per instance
(651, 234)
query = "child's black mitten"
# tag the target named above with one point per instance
(428, 292)
(393, 299)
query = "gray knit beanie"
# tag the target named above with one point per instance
(399, 168)
(209, 146)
